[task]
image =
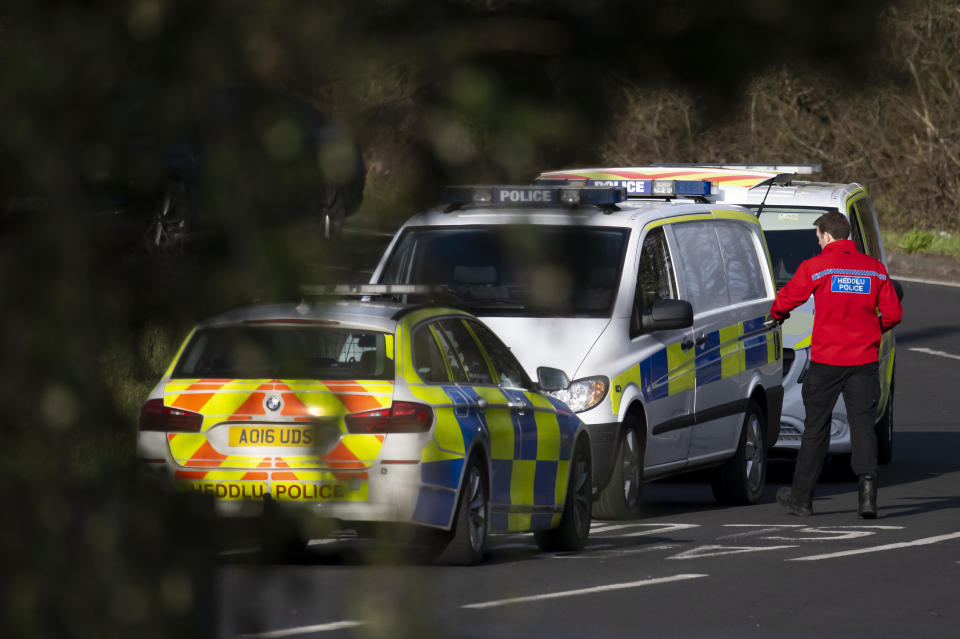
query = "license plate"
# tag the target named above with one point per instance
(271, 436)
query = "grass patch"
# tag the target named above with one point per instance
(918, 241)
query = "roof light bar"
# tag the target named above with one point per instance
(798, 169)
(557, 192)
(646, 188)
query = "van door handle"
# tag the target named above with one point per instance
(518, 406)
(482, 404)
(686, 344)
(701, 339)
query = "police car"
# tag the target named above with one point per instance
(787, 208)
(660, 326)
(371, 411)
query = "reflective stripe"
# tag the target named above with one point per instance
(847, 271)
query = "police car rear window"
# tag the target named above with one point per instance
(517, 269)
(286, 352)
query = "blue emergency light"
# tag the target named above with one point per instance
(562, 193)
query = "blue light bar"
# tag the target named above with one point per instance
(562, 193)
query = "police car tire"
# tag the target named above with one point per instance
(885, 432)
(613, 501)
(742, 478)
(466, 543)
(574, 528)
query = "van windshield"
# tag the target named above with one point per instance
(528, 270)
(791, 238)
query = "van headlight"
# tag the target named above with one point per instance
(583, 394)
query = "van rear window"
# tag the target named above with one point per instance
(529, 270)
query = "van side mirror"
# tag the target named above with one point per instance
(668, 314)
(552, 379)
(898, 287)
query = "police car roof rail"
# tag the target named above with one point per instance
(795, 169)
(555, 193)
(438, 292)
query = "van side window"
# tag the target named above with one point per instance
(738, 244)
(701, 265)
(655, 278)
(868, 219)
(466, 348)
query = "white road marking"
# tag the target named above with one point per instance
(302, 630)
(661, 528)
(582, 591)
(824, 535)
(926, 541)
(923, 281)
(717, 551)
(599, 552)
(764, 525)
(603, 528)
(930, 351)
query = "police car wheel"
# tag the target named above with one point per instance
(574, 528)
(742, 478)
(885, 432)
(623, 494)
(466, 544)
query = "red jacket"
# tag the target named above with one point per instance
(849, 289)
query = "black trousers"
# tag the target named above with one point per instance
(860, 386)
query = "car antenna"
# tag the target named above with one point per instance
(781, 179)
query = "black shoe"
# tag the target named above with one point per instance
(793, 505)
(867, 502)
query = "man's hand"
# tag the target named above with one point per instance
(775, 321)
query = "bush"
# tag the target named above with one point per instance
(915, 241)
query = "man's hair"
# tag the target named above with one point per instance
(835, 223)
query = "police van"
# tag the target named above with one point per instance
(787, 207)
(655, 309)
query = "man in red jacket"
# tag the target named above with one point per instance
(854, 302)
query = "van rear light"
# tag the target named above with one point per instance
(401, 417)
(155, 416)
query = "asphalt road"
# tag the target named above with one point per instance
(688, 568)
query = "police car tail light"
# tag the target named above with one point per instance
(583, 394)
(155, 416)
(401, 417)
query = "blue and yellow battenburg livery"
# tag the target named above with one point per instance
(388, 407)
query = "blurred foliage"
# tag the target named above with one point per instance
(434, 92)
(920, 241)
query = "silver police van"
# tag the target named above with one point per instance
(655, 309)
(787, 203)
